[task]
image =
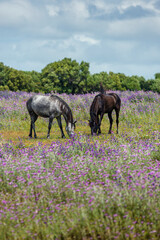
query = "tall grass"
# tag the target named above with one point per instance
(103, 187)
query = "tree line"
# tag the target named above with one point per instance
(69, 76)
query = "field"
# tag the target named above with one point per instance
(101, 187)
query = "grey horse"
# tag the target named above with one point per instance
(50, 107)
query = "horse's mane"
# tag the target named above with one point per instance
(93, 106)
(52, 96)
(94, 102)
(68, 110)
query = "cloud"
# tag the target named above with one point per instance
(17, 12)
(143, 30)
(73, 9)
(52, 10)
(78, 9)
(116, 35)
(129, 69)
(157, 5)
(124, 9)
(86, 39)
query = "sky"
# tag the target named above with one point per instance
(122, 36)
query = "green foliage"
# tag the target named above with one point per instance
(15, 80)
(132, 83)
(109, 81)
(156, 85)
(115, 83)
(65, 76)
(69, 76)
(95, 80)
(157, 75)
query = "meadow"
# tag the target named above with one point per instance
(100, 187)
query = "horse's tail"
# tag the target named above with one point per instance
(28, 104)
(118, 100)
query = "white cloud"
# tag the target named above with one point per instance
(14, 47)
(148, 5)
(78, 9)
(145, 28)
(73, 9)
(104, 6)
(16, 12)
(96, 31)
(86, 39)
(111, 6)
(52, 10)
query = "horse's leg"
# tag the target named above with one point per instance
(117, 117)
(49, 125)
(60, 126)
(111, 121)
(30, 132)
(33, 119)
(100, 120)
(98, 129)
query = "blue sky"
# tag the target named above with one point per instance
(112, 35)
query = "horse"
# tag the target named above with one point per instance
(50, 107)
(104, 103)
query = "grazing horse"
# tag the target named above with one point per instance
(104, 103)
(50, 107)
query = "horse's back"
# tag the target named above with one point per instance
(44, 106)
(109, 103)
(103, 103)
(115, 95)
(117, 98)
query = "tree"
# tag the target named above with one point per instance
(155, 87)
(142, 82)
(34, 81)
(157, 75)
(109, 81)
(69, 76)
(4, 70)
(115, 83)
(130, 83)
(65, 76)
(82, 85)
(94, 81)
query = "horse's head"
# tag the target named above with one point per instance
(70, 128)
(93, 126)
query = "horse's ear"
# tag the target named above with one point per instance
(75, 121)
(102, 89)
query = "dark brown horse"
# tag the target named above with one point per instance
(104, 103)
